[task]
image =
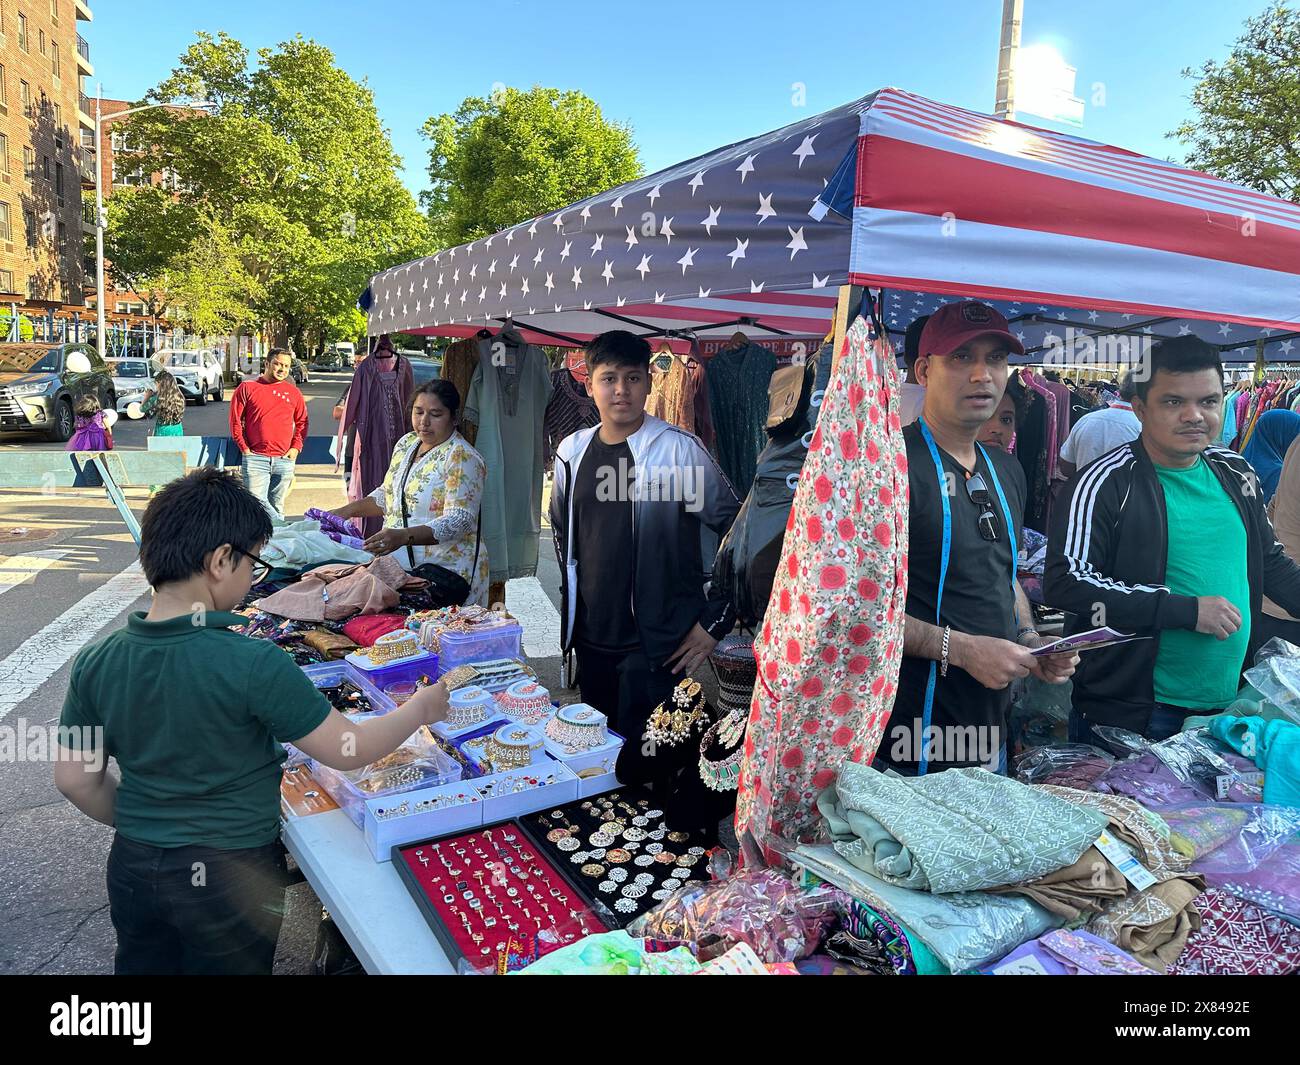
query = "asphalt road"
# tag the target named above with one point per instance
(68, 576)
(321, 392)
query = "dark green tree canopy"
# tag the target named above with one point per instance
(1247, 124)
(294, 166)
(499, 161)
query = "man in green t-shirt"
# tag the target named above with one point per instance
(1166, 537)
(194, 715)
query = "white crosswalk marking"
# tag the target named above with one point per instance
(44, 653)
(18, 569)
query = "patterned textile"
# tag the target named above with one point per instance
(960, 830)
(733, 662)
(569, 410)
(828, 656)
(443, 490)
(1143, 832)
(907, 955)
(1077, 891)
(1149, 781)
(1201, 830)
(965, 929)
(1154, 924)
(672, 394)
(738, 380)
(1236, 937)
(1063, 953)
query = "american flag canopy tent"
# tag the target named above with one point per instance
(925, 201)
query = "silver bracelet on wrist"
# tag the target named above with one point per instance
(943, 652)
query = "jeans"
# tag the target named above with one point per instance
(195, 910)
(269, 479)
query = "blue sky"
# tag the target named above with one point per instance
(692, 76)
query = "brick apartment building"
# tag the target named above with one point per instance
(45, 119)
(118, 170)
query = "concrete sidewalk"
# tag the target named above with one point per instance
(315, 485)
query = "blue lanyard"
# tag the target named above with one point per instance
(928, 437)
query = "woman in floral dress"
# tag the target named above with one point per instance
(442, 479)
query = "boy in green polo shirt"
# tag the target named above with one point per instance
(194, 714)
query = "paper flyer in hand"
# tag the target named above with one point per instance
(1086, 641)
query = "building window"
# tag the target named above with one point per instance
(29, 163)
(22, 32)
(29, 227)
(4, 93)
(6, 233)
(7, 281)
(25, 95)
(4, 153)
(58, 181)
(45, 167)
(63, 236)
(40, 41)
(58, 124)
(54, 59)
(54, 11)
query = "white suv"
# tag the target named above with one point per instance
(198, 373)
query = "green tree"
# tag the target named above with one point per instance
(147, 232)
(296, 165)
(210, 292)
(499, 161)
(1247, 124)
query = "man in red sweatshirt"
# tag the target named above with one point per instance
(268, 420)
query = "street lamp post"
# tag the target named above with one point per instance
(100, 220)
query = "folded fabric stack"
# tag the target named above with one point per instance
(338, 592)
(973, 866)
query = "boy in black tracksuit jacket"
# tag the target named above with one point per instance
(1106, 560)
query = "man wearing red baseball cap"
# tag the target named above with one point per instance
(969, 626)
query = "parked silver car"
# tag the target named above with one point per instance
(198, 373)
(39, 391)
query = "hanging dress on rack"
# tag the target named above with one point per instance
(828, 654)
(378, 405)
(569, 409)
(458, 365)
(738, 382)
(507, 401)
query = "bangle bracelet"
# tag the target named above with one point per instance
(943, 660)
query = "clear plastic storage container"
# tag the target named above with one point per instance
(466, 648)
(425, 766)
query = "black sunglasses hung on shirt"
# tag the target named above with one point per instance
(979, 495)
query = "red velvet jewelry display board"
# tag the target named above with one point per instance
(488, 891)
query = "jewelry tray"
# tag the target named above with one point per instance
(538, 825)
(430, 896)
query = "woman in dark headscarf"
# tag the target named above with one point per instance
(377, 406)
(1274, 433)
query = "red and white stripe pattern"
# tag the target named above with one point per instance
(954, 202)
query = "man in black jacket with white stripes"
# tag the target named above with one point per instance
(1166, 537)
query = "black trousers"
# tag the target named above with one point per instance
(1269, 626)
(195, 910)
(626, 688)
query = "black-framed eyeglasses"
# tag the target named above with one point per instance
(260, 568)
(979, 495)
